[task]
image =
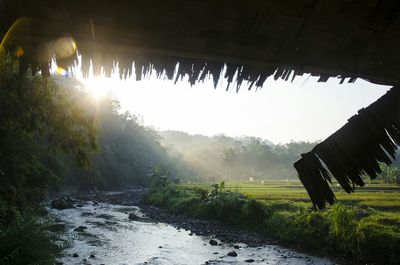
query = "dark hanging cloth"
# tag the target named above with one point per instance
(369, 137)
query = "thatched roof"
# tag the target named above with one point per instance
(252, 39)
(367, 138)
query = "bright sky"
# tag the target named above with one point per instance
(280, 111)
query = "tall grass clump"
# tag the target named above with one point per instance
(344, 229)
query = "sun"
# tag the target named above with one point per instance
(99, 87)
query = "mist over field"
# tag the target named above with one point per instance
(234, 159)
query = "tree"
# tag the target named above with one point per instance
(389, 174)
(38, 120)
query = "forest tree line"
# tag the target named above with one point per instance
(235, 158)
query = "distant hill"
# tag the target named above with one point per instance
(236, 158)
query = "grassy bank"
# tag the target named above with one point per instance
(352, 229)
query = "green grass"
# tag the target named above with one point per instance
(364, 226)
(377, 196)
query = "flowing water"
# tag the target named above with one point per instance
(111, 238)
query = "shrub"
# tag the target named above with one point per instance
(201, 192)
(29, 241)
(381, 242)
(254, 212)
(226, 207)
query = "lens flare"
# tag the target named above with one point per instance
(19, 52)
(61, 71)
(20, 24)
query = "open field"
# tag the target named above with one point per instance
(381, 197)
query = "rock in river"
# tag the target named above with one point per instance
(133, 217)
(80, 228)
(213, 242)
(232, 254)
(62, 203)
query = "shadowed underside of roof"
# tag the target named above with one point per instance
(254, 39)
(250, 40)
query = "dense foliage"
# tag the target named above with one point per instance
(390, 174)
(38, 120)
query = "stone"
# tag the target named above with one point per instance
(62, 203)
(75, 255)
(59, 204)
(80, 228)
(69, 201)
(232, 254)
(213, 242)
(133, 217)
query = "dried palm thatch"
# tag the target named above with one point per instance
(251, 39)
(367, 138)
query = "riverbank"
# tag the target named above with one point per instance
(350, 234)
(109, 229)
(223, 232)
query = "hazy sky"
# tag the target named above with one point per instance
(280, 111)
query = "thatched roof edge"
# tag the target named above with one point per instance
(369, 137)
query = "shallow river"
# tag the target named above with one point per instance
(111, 238)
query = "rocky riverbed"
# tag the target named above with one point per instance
(116, 228)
